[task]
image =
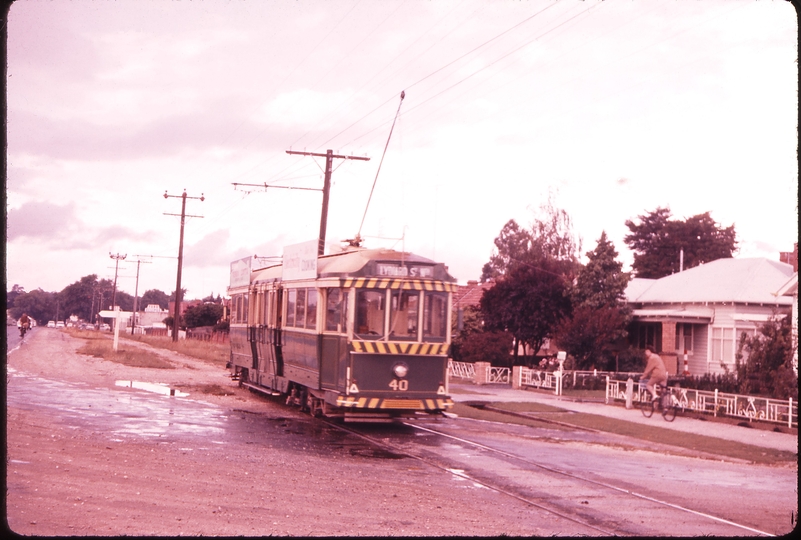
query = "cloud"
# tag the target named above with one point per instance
(41, 220)
(209, 251)
(60, 227)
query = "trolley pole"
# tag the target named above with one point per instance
(329, 159)
(178, 292)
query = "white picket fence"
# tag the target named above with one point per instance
(716, 403)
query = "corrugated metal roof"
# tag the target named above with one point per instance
(753, 281)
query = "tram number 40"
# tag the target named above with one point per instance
(401, 385)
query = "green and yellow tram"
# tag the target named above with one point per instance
(361, 335)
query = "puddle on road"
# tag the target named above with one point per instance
(158, 388)
(116, 412)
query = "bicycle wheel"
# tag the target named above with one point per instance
(647, 408)
(669, 413)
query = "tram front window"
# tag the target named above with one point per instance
(403, 315)
(370, 308)
(435, 316)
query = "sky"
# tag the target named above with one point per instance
(610, 109)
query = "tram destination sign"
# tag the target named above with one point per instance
(300, 261)
(240, 272)
(397, 270)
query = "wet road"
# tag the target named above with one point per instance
(135, 410)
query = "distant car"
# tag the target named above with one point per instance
(51, 324)
(105, 327)
(60, 324)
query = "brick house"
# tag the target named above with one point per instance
(703, 311)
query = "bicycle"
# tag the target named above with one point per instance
(663, 401)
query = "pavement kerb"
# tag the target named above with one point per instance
(461, 392)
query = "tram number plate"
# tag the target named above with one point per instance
(399, 385)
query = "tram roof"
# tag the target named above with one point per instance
(356, 262)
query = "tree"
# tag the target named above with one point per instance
(512, 245)
(527, 302)
(532, 270)
(657, 242)
(203, 315)
(764, 361)
(155, 296)
(597, 325)
(601, 282)
(11, 295)
(38, 304)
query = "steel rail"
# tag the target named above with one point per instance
(461, 474)
(596, 482)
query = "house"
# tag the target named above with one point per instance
(790, 289)
(694, 319)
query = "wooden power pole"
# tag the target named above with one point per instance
(178, 292)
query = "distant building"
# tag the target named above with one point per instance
(790, 257)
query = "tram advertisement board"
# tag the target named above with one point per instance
(300, 261)
(240, 272)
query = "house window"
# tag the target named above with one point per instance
(723, 345)
(684, 338)
(648, 335)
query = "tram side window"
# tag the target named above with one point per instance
(370, 308)
(403, 314)
(435, 316)
(311, 308)
(300, 314)
(336, 306)
(291, 302)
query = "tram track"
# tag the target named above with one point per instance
(606, 525)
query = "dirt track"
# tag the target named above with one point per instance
(66, 479)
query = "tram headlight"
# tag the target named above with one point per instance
(400, 370)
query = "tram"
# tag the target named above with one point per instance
(360, 335)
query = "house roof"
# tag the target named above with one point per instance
(470, 294)
(790, 288)
(753, 281)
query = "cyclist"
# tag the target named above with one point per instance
(655, 371)
(24, 324)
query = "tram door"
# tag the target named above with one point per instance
(334, 341)
(277, 322)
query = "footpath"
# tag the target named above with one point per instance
(464, 392)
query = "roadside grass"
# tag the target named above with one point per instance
(104, 348)
(213, 353)
(690, 441)
(465, 410)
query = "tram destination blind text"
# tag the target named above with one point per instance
(394, 270)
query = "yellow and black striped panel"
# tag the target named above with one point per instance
(355, 402)
(394, 347)
(396, 283)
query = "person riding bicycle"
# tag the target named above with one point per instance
(24, 324)
(655, 371)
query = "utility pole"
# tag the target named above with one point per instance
(117, 259)
(178, 293)
(136, 296)
(329, 159)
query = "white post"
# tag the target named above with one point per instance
(116, 327)
(629, 392)
(716, 401)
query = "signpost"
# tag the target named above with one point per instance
(119, 317)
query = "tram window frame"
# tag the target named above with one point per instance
(428, 299)
(363, 313)
(300, 309)
(397, 296)
(291, 301)
(312, 301)
(336, 310)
